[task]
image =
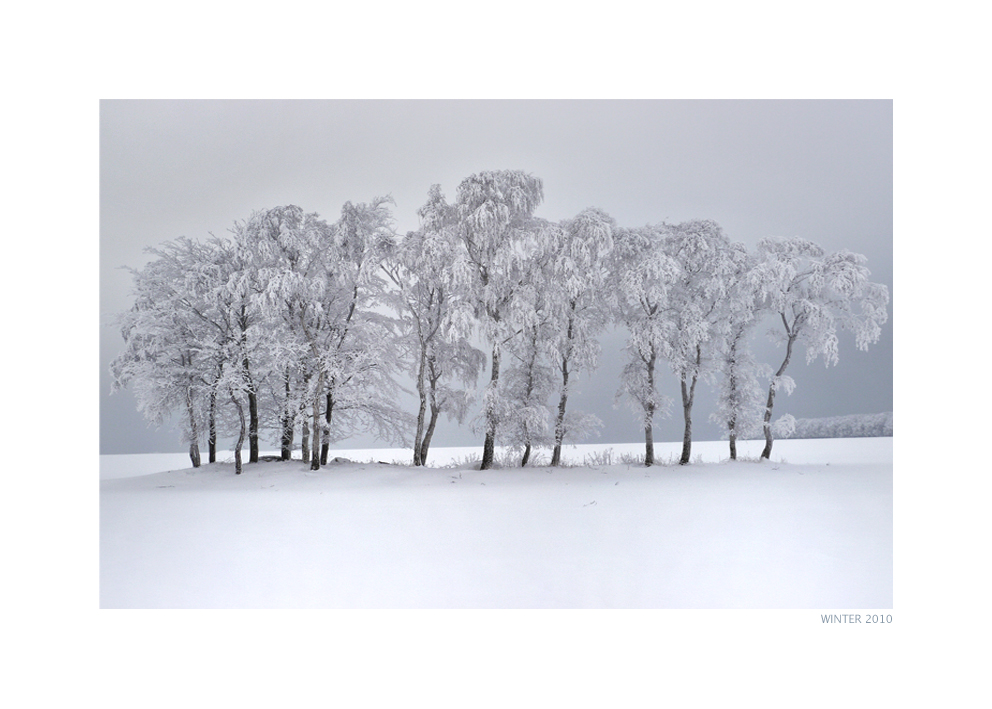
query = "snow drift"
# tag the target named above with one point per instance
(812, 532)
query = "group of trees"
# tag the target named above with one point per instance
(297, 324)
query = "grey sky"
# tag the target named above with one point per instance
(817, 169)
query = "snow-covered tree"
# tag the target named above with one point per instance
(739, 402)
(643, 273)
(433, 312)
(161, 360)
(580, 249)
(696, 308)
(323, 283)
(494, 221)
(813, 295)
(222, 287)
(179, 340)
(529, 379)
(284, 244)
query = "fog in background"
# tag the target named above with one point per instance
(821, 170)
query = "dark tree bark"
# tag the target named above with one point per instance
(418, 440)
(305, 441)
(648, 444)
(315, 413)
(489, 447)
(688, 394)
(527, 394)
(253, 427)
(286, 441)
(325, 444)
(767, 450)
(305, 425)
(560, 422)
(212, 435)
(241, 434)
(194, 442)
(563, 401)
(252, 394)
(426, 443)
(732, 423)
(649, 414)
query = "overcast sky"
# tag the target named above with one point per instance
(821, 170)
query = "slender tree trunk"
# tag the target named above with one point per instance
(527, 394)
(649, 414)
(305, 424)
(560, 421)
(325, 444)
(252, 426)
(212, 435)
(687, 398)
(241, 434)
(286, 448)
(418, 456)
(315, 413)
(733, 439)
(732, 401)
(767, 451)
(648, 443)
(687, 417)
(305, 441)
(489, 447)
(252, 394)
(426, 443)
(194, 441)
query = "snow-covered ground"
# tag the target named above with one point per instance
(810, 529)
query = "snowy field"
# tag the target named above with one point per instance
(812, 528)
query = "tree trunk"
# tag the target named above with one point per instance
(286, 442)
(527, 394)
(252, 426)
(325, 444)
(194, 441)
(560, 421)
(212, 435)
(489, 447)
(767, 451)
(649, 414)
(733, 440)
(315, 413)
(523, 461)
(687, 431)
(252, 394)
(241, 435)
(687, 396)
(732, 395)
(648, 444)
(305, 441)
(426, 443)
(418, 457)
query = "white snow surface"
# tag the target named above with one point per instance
(812, 528)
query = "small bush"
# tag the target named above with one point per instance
(599, 458)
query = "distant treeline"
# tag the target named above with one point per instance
(853, 426)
